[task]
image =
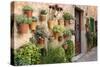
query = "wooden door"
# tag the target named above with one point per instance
(77, 32)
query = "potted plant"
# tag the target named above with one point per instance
(72, 31)
(67, 17)
(69, 51)
(61, 22)
(23, 23)
(57, 30)
(65, 46)
(67, 33)
(43, 14)
(33, 24)
(40, 35)
(60, 38)
(27, 10)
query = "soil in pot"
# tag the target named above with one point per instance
(28, 13)
(23, 28)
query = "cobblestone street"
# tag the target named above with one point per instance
(90, 56)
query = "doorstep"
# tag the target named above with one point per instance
(75, 58)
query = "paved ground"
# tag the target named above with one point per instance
(90, 56)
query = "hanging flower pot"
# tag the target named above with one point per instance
(23, 28)
(41, 41)
(67, 34)
(60, 38)
(33, 24)
(55, 34)
(65, 46)
(27, 10)
(43, 16)
(57, 30)
(66, 22)
(61, 22)
(23, 23)
(50, 23)
(67, 17)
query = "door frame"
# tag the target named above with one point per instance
(80, 22)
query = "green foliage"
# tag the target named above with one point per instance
(34, 19)
(40, 32)
(25, 8)
(69, 51)
(89, 36)
(67, 16)
(27, 55)
(67, 32)
(44, 12)
(94, 39)
(55, 55)
(58, 29)
(22, 19)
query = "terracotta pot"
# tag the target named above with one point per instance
(65, 36)
(60, 38)
(65, 46)
(41, 41)
(42, 17)
(66, 22)
(55, 34)
(28, 13)
(23, 28)
(33, 25)
(61, 22)
(50, 24)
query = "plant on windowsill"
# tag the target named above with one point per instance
(67, 17)
(43, 14)
(27, 10)
(23, 23)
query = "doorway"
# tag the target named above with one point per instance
(78, 17)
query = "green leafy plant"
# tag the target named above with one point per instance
(70, 50)
(26, 7)
(43, 12)
(27, 55)
(34, 19)
(58, 29)
(40, 32)
(67, 32)
(67, 16)
(55, 55)
(22, 19)
(89, 36)
(94, 39)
